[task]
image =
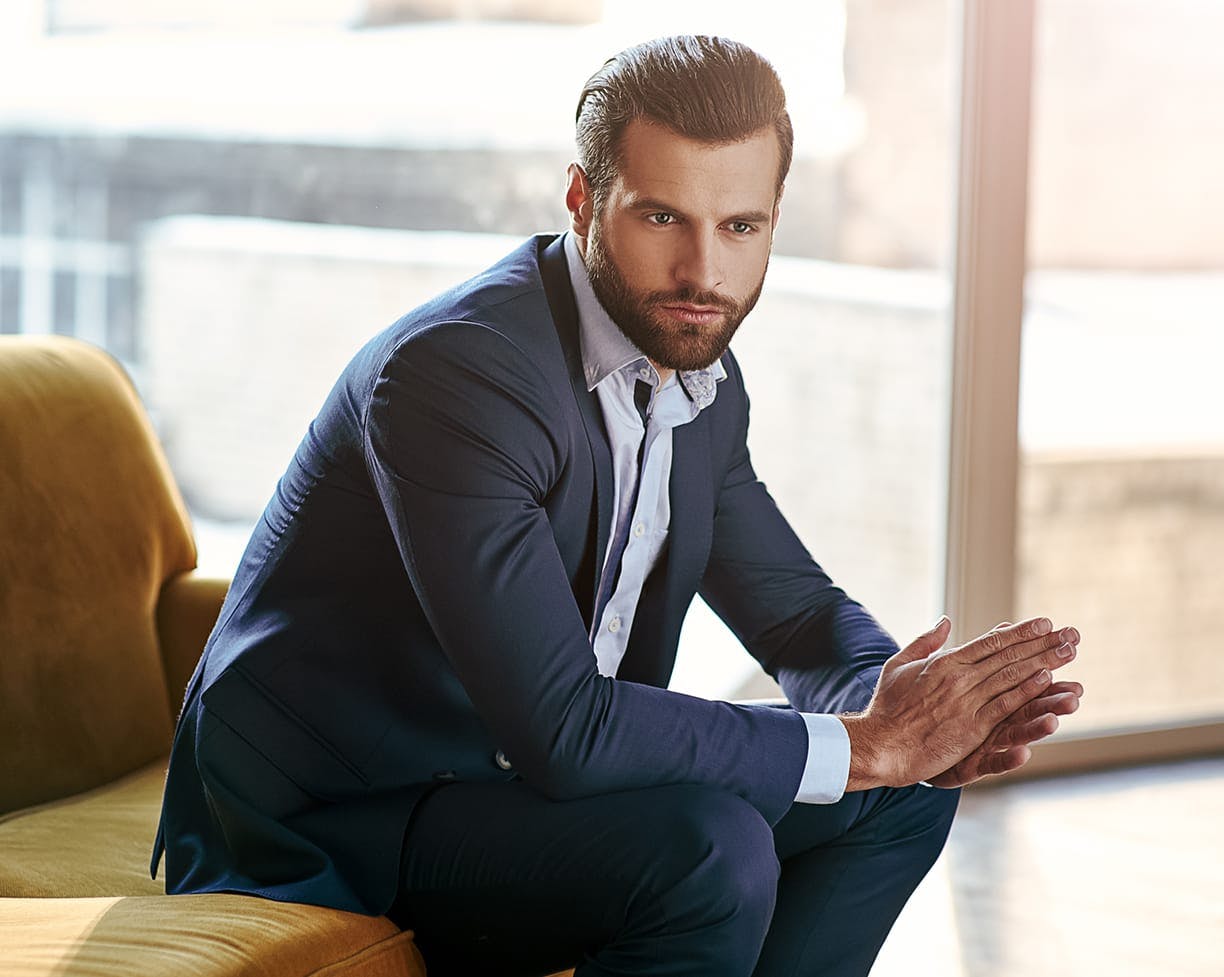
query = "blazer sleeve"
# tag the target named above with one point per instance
(462, 439)
(823, 648)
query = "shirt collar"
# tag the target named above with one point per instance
(606, 350)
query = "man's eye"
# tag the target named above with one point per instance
(741, 227)
(662, 219)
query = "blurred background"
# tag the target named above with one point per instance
(232, 197)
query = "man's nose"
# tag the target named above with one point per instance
(700, 265)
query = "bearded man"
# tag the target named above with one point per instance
(438, 687)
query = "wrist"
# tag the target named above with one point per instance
(868, 767)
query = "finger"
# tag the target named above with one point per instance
(1020, 734)
(1062, 703)
(996, 763)
(982, 763)
(1020, 650)
(1034, 720)
(925, 644)
(1018, 663)
(1003, 705)
(996, 641)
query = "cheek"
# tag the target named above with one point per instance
(748, 266)
(642, 258)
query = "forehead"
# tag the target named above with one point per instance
(661, 165)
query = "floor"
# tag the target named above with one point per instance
(1118, 872)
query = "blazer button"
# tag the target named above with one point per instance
(500, 759)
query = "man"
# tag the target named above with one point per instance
(437, 686)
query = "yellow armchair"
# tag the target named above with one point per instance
(101, 622)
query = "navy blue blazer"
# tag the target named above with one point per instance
(413, 608)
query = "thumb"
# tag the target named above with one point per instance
(926, 643)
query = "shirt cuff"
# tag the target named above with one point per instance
(828, 760)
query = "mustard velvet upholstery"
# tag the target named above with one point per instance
(91, 526)
(101, 624)
(93, 844)
(198, 936)
(186, 612)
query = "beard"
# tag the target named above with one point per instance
(639, 315)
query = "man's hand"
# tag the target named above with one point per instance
(935, 712)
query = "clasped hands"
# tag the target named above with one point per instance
(950, 717)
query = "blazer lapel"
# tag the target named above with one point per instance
(555, 274)
(692, 502)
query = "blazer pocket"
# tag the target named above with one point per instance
(282, 737)
(227, 760)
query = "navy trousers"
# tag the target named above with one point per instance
(683, 880)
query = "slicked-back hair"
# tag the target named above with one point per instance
(706, 88)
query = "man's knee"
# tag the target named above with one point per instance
(922, 817)
(715, 856)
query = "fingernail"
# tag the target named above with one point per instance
(938, 624)
(1042, 626)
(1043, 676)
(1064, 651)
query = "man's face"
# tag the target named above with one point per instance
(677, 252)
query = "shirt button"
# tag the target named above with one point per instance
(500, 759)
(639, 529)
(614, 624)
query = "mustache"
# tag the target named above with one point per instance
(691, 296)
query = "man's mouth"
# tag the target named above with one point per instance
(697, 315)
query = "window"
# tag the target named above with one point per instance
(1121, 492)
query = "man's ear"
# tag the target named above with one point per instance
(777, 211)
(578, 200)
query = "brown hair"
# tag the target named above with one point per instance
(706, 88)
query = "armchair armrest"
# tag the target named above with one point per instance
(187, 609)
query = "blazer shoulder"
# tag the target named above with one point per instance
(507, 300)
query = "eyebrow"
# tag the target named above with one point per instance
(750, 217)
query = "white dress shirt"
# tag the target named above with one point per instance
(641, 465)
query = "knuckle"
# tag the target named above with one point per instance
(1013, 673)
(997, 708)
(1015, 653)
(1013, 699)
(993, 642)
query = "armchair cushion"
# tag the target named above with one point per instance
(94, 844)
(199, 936)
